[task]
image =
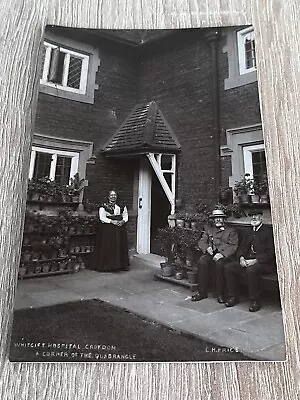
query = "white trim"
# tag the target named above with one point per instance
(247, 153)
(242, 35)
(235, 79)
(155, 161)
(64, 86)
(74, 160)
(90, 65)
(144, 209)
(236, 139)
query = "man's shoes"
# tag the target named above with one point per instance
(221, 299)
(254, 305)
(199, 296)
(232, 301)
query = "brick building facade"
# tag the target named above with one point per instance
(173, 69)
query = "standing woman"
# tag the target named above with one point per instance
(111, 247)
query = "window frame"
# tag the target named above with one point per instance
(54, 152)
(68, 52)
(81, 48)
(235, 78)
(242, 35)
(247, 157)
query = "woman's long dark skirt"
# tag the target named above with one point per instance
(111, 248)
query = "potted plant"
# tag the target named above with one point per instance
(192, 275)
(243, 188)
(180, 219)
(165, 238)
(263, 190)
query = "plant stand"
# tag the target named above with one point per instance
(181, 282)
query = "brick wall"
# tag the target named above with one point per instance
(238, 107)
(176, 73)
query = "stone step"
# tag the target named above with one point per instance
(148, 260)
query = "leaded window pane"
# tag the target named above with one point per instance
(74, 75)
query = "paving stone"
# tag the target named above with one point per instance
(259, 335)
(245, 342)
(25, 301)
(56, 296)
(166, 296)
(105, 293)
(267, 327)
(205, 306)
(272, 353)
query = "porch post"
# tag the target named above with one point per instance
(144, 208)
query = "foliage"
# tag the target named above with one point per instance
(244, 186)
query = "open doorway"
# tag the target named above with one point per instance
(160, 209)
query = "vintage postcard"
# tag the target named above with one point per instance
(148, 232)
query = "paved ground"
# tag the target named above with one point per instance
(257, 335)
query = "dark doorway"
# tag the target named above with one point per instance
(160, 209)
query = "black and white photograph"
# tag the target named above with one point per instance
(148, 234)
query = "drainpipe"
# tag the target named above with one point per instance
(212, 38)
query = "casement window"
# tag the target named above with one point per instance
(246, 50)
(64, 68)
(255, 161)
(68, 68)
(241, 53)
(58, 165)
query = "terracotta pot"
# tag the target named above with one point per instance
(180, 223)
(254, 198)
(167, 269)
(22, 271)
(244, 198)
(179, 275)
(192, 276)
(264, 199)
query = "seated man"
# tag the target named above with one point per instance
(218, 244)
(255, 257)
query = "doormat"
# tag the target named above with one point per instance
(95, 331)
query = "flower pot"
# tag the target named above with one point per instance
(62, 266)
(192, 276)
(35, 255)
(167, 269)
(180, 223)
(179, 275)
(254, 198)
(53, 267)
(22, 271)
(172, 221)
(264, 198)
(76, 267)
(46, 268)
(38, 269)
(244, 198)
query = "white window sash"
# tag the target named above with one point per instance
(73, 155)
(84, 69)
(242, 35)
(247, 156)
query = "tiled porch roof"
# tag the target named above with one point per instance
(144, 130)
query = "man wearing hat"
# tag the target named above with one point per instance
(255, 257)
(218, 244)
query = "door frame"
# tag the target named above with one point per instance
(144, 196)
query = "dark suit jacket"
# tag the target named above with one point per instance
(226, 241)
(262, 242)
